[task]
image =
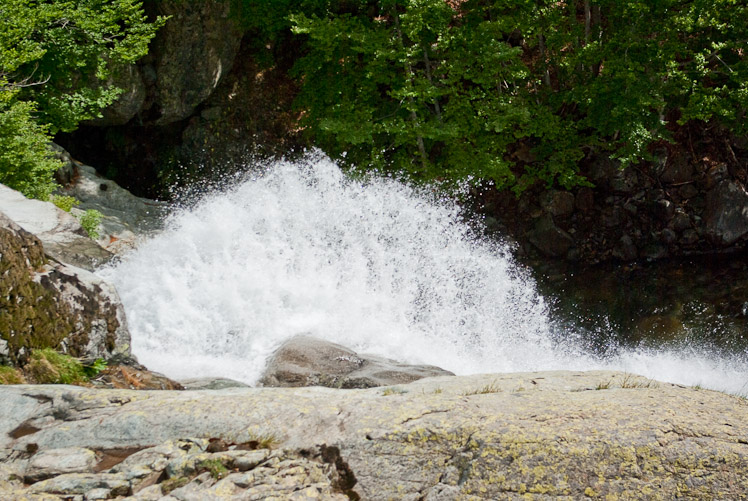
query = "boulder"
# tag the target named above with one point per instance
(63, 237)
(190, 54)
(726, 213)
(569, 435)
(50, 304)
(126, 218)
(129, 78)
(308, 361)
(549, 238)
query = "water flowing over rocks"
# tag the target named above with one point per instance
(546, 435)
(51, 304)
(308, 361)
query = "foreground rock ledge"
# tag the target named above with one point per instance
(568, 435)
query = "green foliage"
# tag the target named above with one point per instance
(64, 202)
(56, 63)
(215, 467)
(50, 367)
(94, 368)
(25, 162)
(512, 90)
(90, 220)
(10, 375)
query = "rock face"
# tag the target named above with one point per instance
(61, 234)
(726, 214)
(308, 361)
(54, 305)
(190, 54)
(568, 435)
(126, 218)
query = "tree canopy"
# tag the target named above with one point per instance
(512, 90)
(56, 58)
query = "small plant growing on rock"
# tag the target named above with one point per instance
(262, 441)
(215, 467)
(11, 375)
(90, 220)
(64, 202)
(170, 484)
(489, 388)
(49, 367)
(393, 391)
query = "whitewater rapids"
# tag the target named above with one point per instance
(373, 264)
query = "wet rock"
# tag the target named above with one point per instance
(624, 181)
(550, 239)
(557, 203)
(126, 218)
(308, 361)
(625, 250)
(63, 237)
(726, 213)
(654, 251)
(190, 55)
(668, 236)
(585, 199)
(54, 305)
(54, 462)
(688, 191)
(664, 209)
(680, 221)
(677, 170)
(689, 237)
(133, 378)
(211, 384)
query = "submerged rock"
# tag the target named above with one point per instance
(308, 361)
(567, 435)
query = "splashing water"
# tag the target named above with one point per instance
(376, 266)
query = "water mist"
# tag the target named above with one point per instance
(375, 265)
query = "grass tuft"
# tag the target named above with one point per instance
(489, 388)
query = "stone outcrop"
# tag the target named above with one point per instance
(308, 361)
(189, 56)
(677, 205)
(568, 435)
(125, 218)
(51, 304)
(61, 234)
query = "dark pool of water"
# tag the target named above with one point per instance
(701, 301)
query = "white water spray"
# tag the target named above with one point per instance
(375, 266)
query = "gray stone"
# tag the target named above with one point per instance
(50, 304)
(726, 213)
(308, 361)
(677, 170)
(126, 220)
(688, 191)
(53, 462)
(211, 384)
(63, 237)
(680, 220)
(129, 78)
(689, 237)
(625, 250)
(557, 203)
(550, 239)
(191, 54)
(568, 435)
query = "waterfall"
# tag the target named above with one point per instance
(373, 264)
